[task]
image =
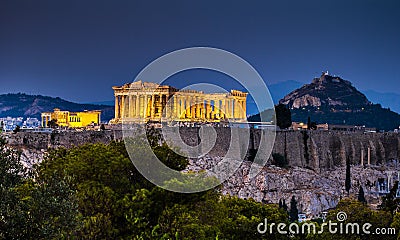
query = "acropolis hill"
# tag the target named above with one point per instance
(316, 159)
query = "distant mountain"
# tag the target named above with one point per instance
(326, 91)
(23, 105)
(333, 100)
(387, 100)
(106, 103)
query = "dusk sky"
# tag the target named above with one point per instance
(78, 50)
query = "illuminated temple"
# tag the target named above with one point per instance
(144, 101)
(71, 119)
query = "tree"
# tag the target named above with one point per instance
(11, 175)
(348, 176)
(311, 125)
(361, 196)
(52, 123)
(396, 223)
(389, 202)
(17, 129)
(294, 212)
(32, 209)
(283, 116)
(45, 210)
(357, 212)
(101, 175)
(280, 160)
(284, 205)
(12, 171)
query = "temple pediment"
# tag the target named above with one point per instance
(141, 85)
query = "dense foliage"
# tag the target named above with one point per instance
(94, 192)
(281, 116)
(31, 208)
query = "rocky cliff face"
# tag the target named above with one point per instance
(320, 151)
(317, 159)
(326, 91)
(314, 192)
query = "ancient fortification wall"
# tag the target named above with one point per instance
(44, 141)
(317, 150)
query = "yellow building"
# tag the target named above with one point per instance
(71, 119)
(144, 101)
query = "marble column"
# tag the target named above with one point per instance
(184, 107)
(208, 110)
(198, 108)
(161, 106)
(205, 103)
(137, 110)
(132, 107)
(236, 109)
(122, 106)
(229, 108)
(244, 110)
(152, 106)
(127, 105)
(116, 107)
(239, 108)
(187, 107)
(220, 112)
(179, 107)
(174, 107)
(192, 108)
(223, 109)
(145, 106)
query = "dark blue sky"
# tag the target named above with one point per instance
(78, 50)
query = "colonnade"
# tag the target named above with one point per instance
(165, 102)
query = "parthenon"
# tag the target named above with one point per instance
(145, 101)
